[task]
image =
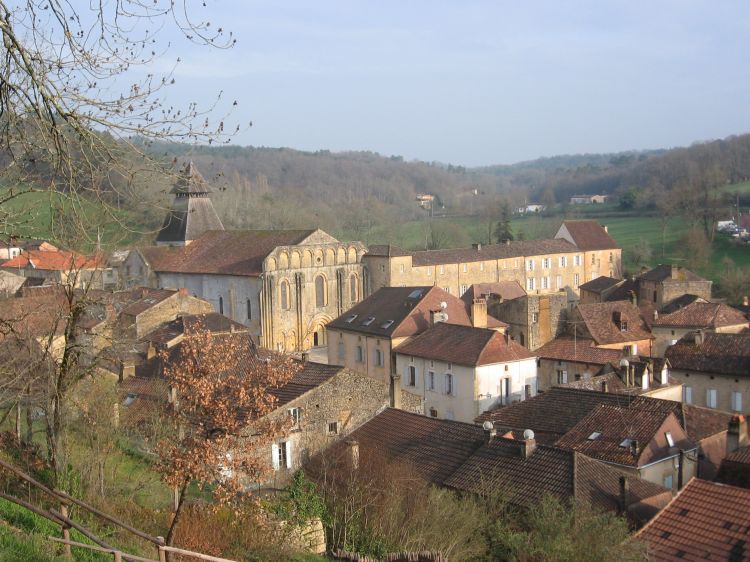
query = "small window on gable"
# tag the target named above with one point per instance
(669, 438)
(333, 428)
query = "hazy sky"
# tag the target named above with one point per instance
(472, 82)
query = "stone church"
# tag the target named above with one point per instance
(285, 285)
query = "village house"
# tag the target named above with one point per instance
(599, 289)
(57, 266)
(667, 329)
(612, 325)
(567, 359)
(363, 339)
(663, 284)
(714, 369)
(552, 414)
(285, 285)
(470, 459)
(460, 371)
(533, 319)
(705, 521)
(588, 199)
(581, 250)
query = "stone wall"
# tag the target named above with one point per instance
(534, 319)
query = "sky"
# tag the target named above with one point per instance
(473, 82)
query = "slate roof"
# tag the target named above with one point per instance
(190, 181)
(188, 219)
(500, 466)
(679, 302)
(624, 292)
(590, 235)
(723, 354)
(506, 290)
(52, 260)
(704, 521)
(600, 323)
(464, 345)
(702, 315)
(150, 298)
(578, 350)
(432, 448)
(513, 249)
(600, 284)
(614, 424)
(223, 252)
(393, 312)
(664, 272)
(735, 468)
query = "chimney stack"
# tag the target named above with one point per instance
(395, 391)
(305, 356)
(624, 493)
(489, 431)
(606, 229)
(529, 443)
(699, 337)
(183, 291)
(604, 386)
(737, 433)
(479, 313)
(634, 447)
(352, 448)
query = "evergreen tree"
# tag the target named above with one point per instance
(503, 230)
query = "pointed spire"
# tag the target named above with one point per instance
(190, 181)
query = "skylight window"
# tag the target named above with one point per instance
(670, 439)
(626, 443)
(351, 318)
(415, 294)
(594, 436)
(369, 320)
(387, 324)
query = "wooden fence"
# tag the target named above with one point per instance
(61, 517)
(393, 557)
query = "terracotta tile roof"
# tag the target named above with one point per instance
(513, 249)
(741, 455)
(601, 322)
(600, 284)
(703, 422)
(666, 272)
(505, 290)
(679, 302)
(23, 317)
(212, 322)
(464, 345)
(400, 312)
(625, 292)
(702, 315)
(223, 252)
(616, 427)
(735, 468)
(723, 354)
(52, 260)
(590, 235)
(311, 376)
(609, 375)
(553, 412)
(704, 521)
(150, 298)
(578, 350)
(500, 465)
(433, 449)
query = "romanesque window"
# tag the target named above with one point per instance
(353, 288)
(320, 291)
(284, 295)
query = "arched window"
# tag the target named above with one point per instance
(221, 305)
(353, 288)
(320, 291)
(284, 290)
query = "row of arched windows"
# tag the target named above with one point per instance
(321, 291)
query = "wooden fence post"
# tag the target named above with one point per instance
(162, 552)
(118, 556)
(65, 531)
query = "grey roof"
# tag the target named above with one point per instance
(190, 181)
(188, 219)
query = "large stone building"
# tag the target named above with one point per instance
(285, 285)
(580, 251)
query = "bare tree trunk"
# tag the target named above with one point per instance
(29, 423)
(177, 516)
(18, 422)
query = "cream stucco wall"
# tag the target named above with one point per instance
(696, 386)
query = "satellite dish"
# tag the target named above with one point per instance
(488, 425)
(624, 362)
(443, 305)
(528, 434)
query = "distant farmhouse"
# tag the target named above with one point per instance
(588, 199)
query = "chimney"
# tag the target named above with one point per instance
(736, 433)
(529, 444)
(604, 226)
(477, 247)
(395, 391)
(656, 315)
(479, 313)
(634, 447)
(664, 375)
(674, 271)
(604, 386)
(680, 468)
(183, 291)
(352, 450)
(698, 337)
(127, 369)
(745, 301)
(624, 494)
(527, 391)
(489, 431)
(151, 352)
(305, 356)
(507, 241)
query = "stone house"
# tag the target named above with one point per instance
(460, 371)
(599, 289)
(613, 325)
(58, 266)
(534, 320)
(707, 316)
(567, 359)
(714, 369)
(580, 250)
(661, 285)
(285, 285)
(363, 339)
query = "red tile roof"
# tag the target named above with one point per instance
(601, 325)
(723, 354)
(24, 317)
(590, 235)
(311, 376)
(52, 260)
(464, 345)
(505, 290)
(578, 350)
(705, 521)
(513, 249)
(702, 315)
(393, 312)
(223, 252)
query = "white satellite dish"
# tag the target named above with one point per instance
(443, 305)
(624, 362)
(488, 425)
(528, 434)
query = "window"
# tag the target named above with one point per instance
(711, 398)
(333, 428)
(559, 281)
(576, 260)
(281, 454)
(687, 394)
(429, 272)
(465, 268)
(249, 310)
(530, 284)
(545, 263)
(481, 265)
(563, 261)
(320, 291)
(431, 380)
(378, 358)
(464, 288)
(611, 257)
(736, 401)
(545, 282)
(382, 267)
(441, 271)
(411, 376)
(295, 414)
(447, 289)
(576, 280)
(668, 481)
(221, 305)
(529, 265)
(562, 376)
(360, 354)
(342, 351)
(593, 259)
(534, 317)
(669, 438)
(284, 296)
(448, 383)
(353, 288)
